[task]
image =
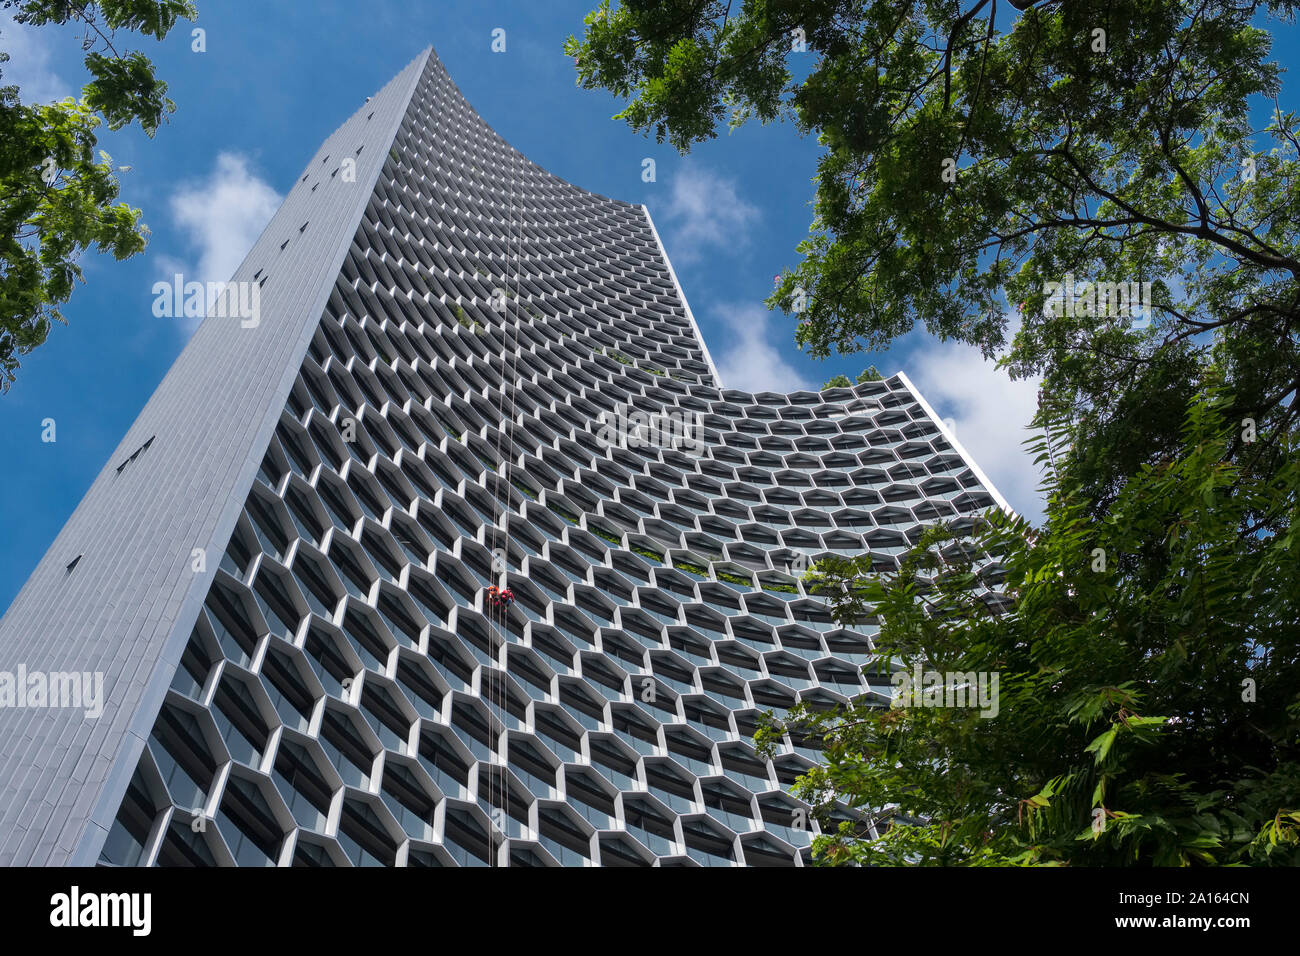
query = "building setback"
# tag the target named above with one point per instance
(282, 574)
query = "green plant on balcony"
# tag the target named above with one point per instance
(605, 534)
(738, 579)
(568, 516)
(691, 568)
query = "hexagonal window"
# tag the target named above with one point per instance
(565, 836)
(184, 755)
(363, 486)
(287, 684)
(617, 851)
(269, 519)
(234, 619)
(414, 678)
(689, 750)
(302, 784)
(709, 844)
(251, 828)
(729, 805)
(241, 719)
(787, 819)
(397, 610)
(183, 846)
(196, 663)
(708, 718)
(303, 512)
(449, 660)
(671, 786)
(742, 766)
(333, 659)
(386, 716)
(349, 750)
(650, 825)
(468, 837)
(339, 502)
(313, 852)
(409, 800)
(319, 585)
(368, 638)
(446, 762)
(364, 836)
(355, 569)
(239, 551)
(278, 598)
(126, 840)
(761, 850)
(383, 551)
(411, 538)
(510, 803)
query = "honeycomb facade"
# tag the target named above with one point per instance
(338, 687)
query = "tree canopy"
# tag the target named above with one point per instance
(57, 194)
(869, 374)
(1104, 195)
(1148, 666)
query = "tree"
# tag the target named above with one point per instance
(57, 198)
(1104, 195)
(869, 374)
(974, 154)
(1146, 710)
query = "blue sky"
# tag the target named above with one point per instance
(251, 110)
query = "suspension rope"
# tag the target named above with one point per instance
(499, 595)
(513, 357)
(495, 611)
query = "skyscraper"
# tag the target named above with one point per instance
(442, 371)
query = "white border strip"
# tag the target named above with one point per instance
(717, 379)
(952, 440)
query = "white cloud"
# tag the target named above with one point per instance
(988, 413)
(221, 218)
(224, 215)
(747, 359)
(704, 210)
(29, 67)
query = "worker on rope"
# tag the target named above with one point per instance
(500, 597)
